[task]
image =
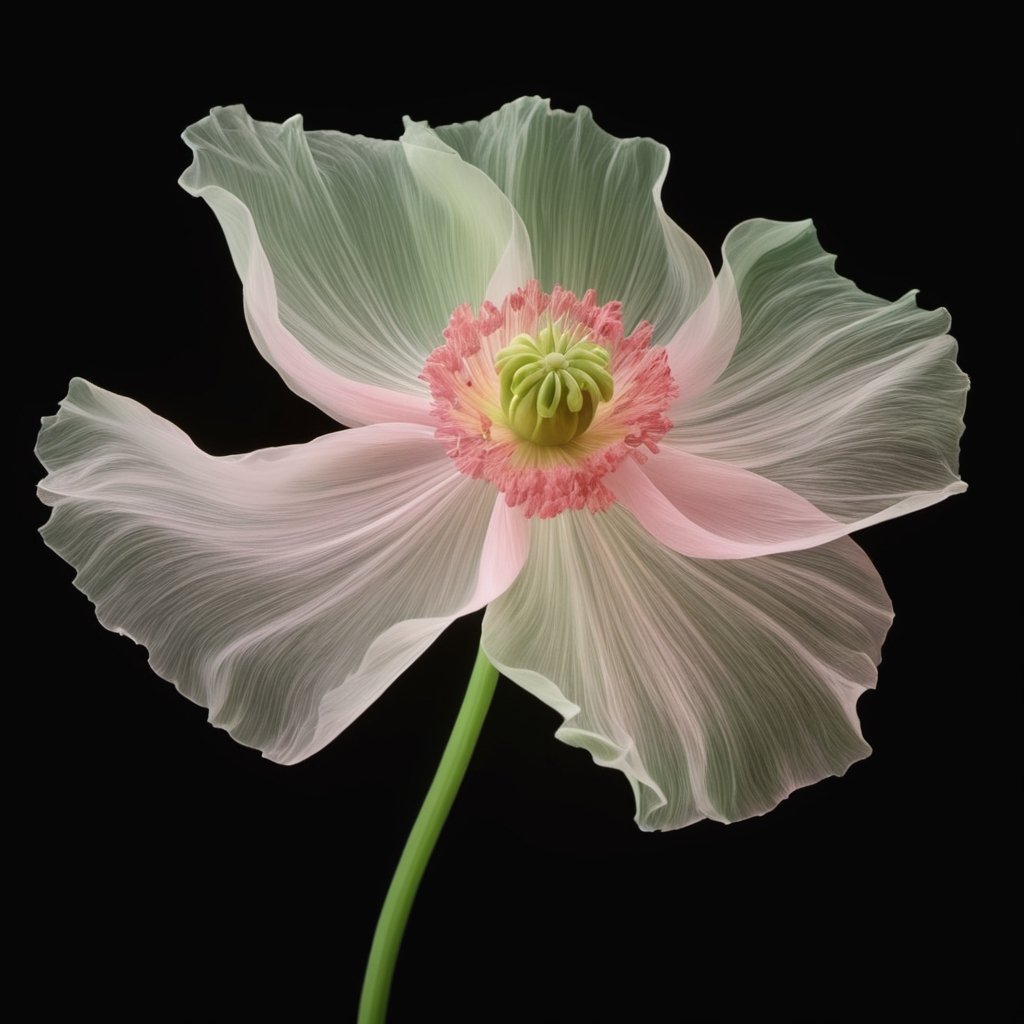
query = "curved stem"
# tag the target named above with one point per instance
(373, 1003)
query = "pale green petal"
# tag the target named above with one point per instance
(716, 687)
(853, 402)
(592, 206)
(284, 590)
(370, 245)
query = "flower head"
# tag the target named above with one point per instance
(646, 472)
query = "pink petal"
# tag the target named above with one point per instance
(708, 509)
(286, 589)
(353, 252)
(853, 402)
(716, 687)
(348, 400)
(592, 206)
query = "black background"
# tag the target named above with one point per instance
(163, 861)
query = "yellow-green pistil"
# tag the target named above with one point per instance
(551, 385)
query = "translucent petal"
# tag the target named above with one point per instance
(701, 349)
(286, 589)
(708, 509)
(353, 252)
(592, 206)
(850, 401)
(717, 687)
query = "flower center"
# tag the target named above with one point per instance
(551, 384)
(523, 397)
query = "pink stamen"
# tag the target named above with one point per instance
(545, 481)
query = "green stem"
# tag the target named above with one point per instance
(373, 1004)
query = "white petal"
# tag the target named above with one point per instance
(592, 206)
(717, 687)
(353, 252)
(701, 349)
(466, 187)
(284, 590)
(850, 401)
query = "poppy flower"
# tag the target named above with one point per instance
(645, 471)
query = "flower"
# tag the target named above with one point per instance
(646, 472)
